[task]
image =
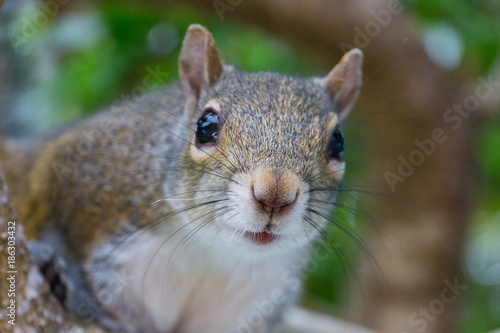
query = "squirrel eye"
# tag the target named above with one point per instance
(337, 145)
(207, 128)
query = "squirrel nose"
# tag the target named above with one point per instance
(269, 203)
(275, 194)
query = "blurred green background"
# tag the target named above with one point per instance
(89, 58)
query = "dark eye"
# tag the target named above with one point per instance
(207, 128)
(337, 145)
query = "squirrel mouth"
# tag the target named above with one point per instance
(262, 238)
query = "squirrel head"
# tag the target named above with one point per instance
(266, 150)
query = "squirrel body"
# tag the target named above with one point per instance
(190, 209)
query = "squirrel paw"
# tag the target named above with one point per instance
(51, 266)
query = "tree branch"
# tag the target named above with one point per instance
(34, 308)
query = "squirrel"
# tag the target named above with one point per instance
(191, 208)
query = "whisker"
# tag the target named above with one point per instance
(184, 199)
(192, 130)
(222, 225)
(187, 141)
(190, 192)
(170, 237)
(183, 168)
(162, 218)
(338, 251)
(190, 234)
(353, 237)
(228, 209)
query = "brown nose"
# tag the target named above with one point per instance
(273, 192)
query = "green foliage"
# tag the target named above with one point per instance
(477, 21)
(489, 155)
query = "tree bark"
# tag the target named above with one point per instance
(34, 308)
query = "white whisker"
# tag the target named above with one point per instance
(184, 199)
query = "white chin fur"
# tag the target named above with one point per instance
(204, 284)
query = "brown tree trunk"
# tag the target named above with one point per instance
(404, 99)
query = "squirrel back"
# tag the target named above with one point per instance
(99, 171)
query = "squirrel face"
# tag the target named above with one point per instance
(270, 145)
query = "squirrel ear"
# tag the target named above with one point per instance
(344, 81)
(199, 62)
